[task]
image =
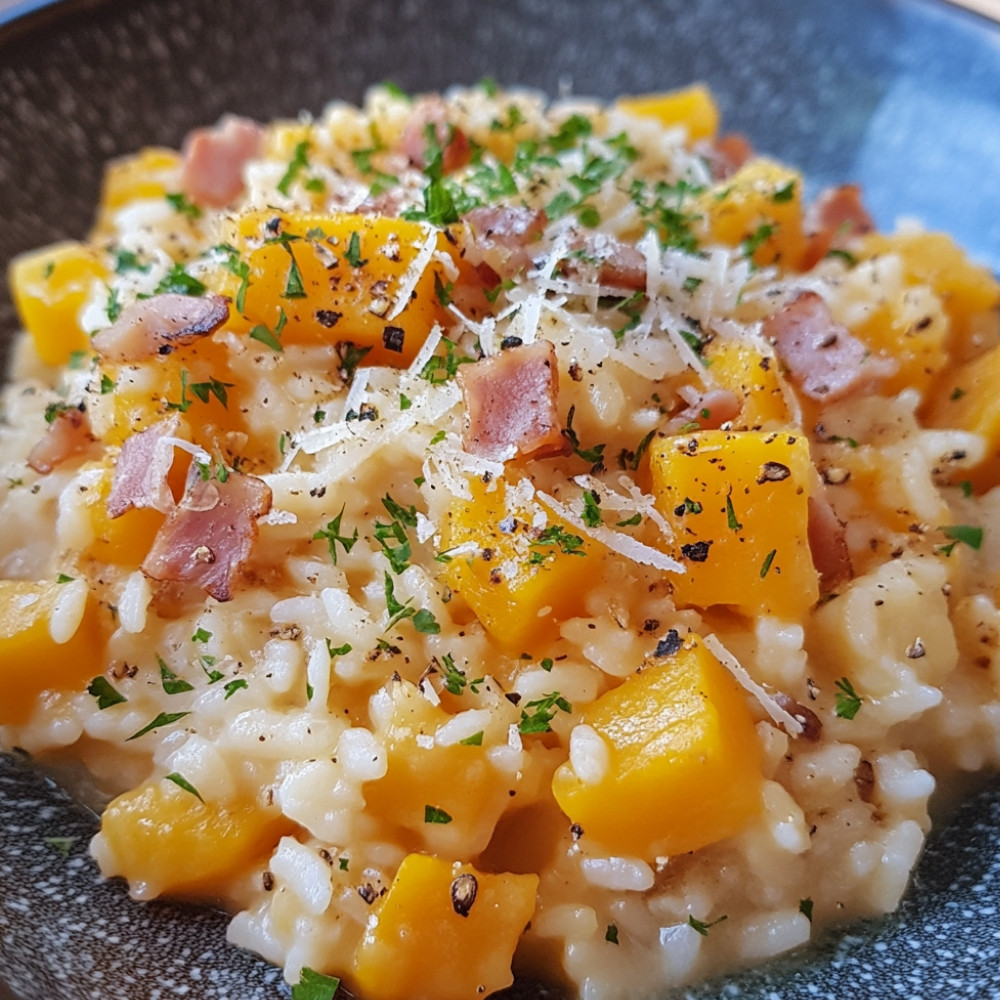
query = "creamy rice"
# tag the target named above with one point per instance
(419, 658)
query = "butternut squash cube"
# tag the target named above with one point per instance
(967, 290)
(50, 287)
(444, 931)
(31, 661)
(124, 540)
(164, 839)
(520, 580)
(968, 401)
(366, 279)
(739, 366)
(152, 173)
(759, 206)
(456, 782)
(691, 106)
(738, 504)
(684, 764)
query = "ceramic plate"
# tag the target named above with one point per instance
(903, 97)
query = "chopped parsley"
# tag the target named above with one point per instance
(848, 701)
(172, 684)
(423, 620)
(593, 455)
(967, 534)
(611, 934)
(353, 252)
(268, 337)
(555, 537)
(475, 740)
(441, 369)
(105, 693)
(432, 814)
(701, 927)
(591, 515)
(179, 281)
(731, 520)
(183, 205)
(232, 687)
(163, 719)
(336, 651)
(765, 566)
(545, 709)
(181, 782)
(333, 536)
(455, 679)
(314, 985)
(127, 260)
(298, 163)
(294, 287)
(806, 908)
(62, 845)
(107, 384)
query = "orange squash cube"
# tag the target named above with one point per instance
(124, 540)
(164, 839)
(31, 661)
(364, 279)
(456, 779)
(691, 106)
(521, 579)
(739, 366)
(50, 288)
(738, 504)
(444, 931)
(760, 206)
(684, 764)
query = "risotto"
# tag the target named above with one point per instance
(470, 536)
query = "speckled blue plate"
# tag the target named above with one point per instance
(900, 95)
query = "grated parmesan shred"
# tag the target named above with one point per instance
(778, 715)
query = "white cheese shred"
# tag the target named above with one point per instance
(778, 715)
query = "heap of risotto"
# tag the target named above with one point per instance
(470, 536)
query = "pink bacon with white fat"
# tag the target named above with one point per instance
(510, 402)
(207, 538)
(836, 218)
(503, 236)
(433, 112)
(214, 158)
(68, 434)
(824, 359)
(159, 325)
(140, 476)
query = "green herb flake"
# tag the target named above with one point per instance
(848, 701)
(61, 845)
(611, 934)
(731, 520)
(163, 719)
(63, 578)
(294, 287)
(475, 740)
(956, 394)
(353, 253)
(545, 709)
(179, 281)
(314, 985)
(404, 401)
(105, 693)
(298, 163)
(432, 814)
(966, 487)
(172, 684)
(336, 651)
(183, 205)
(425, 622)
(231, 687)
(181, 782)
(107, 384)
(701, 927)
(765, 566)
(806, 908)
(344, 863)
(591, 515)
(785, 193)
(967, 534)
(593, 455)
(630, 522)
(267, 337)
(201, 635)
(333, 536)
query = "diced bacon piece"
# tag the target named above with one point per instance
(828, 544)
(608, 261)
(453, 141)
(502, 237)
(709, 412)
(833, 220)
(824, 359)
(160, 324)
(206, 539)
(727, 154)
(68, 434)
(140, 476)
(510, 402)
(213, 160)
